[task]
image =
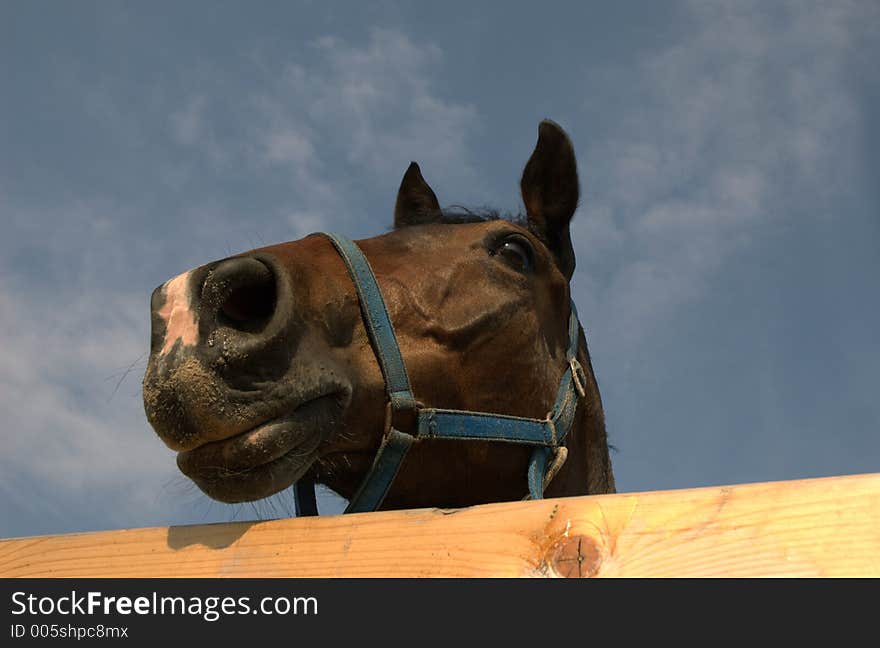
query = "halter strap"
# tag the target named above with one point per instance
(378, 323)
(547, 434)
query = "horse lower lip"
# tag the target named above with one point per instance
(256, 447)
(256, 482)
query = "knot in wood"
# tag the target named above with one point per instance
(577, 557)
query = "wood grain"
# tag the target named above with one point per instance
(816, 527)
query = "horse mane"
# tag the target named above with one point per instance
(458, 214)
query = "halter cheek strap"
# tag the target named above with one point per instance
(547, 435)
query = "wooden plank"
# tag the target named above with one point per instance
(816, 527)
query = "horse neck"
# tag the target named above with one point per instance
(587, 471)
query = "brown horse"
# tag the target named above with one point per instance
(261, 371)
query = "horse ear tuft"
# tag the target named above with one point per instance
(550, 192)
(416, 202)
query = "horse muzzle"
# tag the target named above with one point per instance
(224, 385)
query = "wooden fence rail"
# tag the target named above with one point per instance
(813, 527)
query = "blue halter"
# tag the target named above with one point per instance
(546, 435)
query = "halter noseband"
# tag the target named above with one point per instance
(546, 435)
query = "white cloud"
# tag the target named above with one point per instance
(74, 332)
(750, 112)
(66, 426)
(187, 123)
(289, 146)
(74, 322)
(341, 119)
(377, 103)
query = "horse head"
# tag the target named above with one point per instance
(262, 371)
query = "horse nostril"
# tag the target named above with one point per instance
(249, 307)
(243, 294)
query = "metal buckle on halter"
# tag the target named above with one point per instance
(578, 377)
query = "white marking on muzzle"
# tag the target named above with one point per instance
(181, 323)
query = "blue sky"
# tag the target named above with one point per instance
(728, 240)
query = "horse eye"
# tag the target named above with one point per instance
(517, 252)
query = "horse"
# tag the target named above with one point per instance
(263, 374)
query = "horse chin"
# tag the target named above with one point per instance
(263, 460)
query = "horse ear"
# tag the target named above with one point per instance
(416, 202)
(550, 192)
